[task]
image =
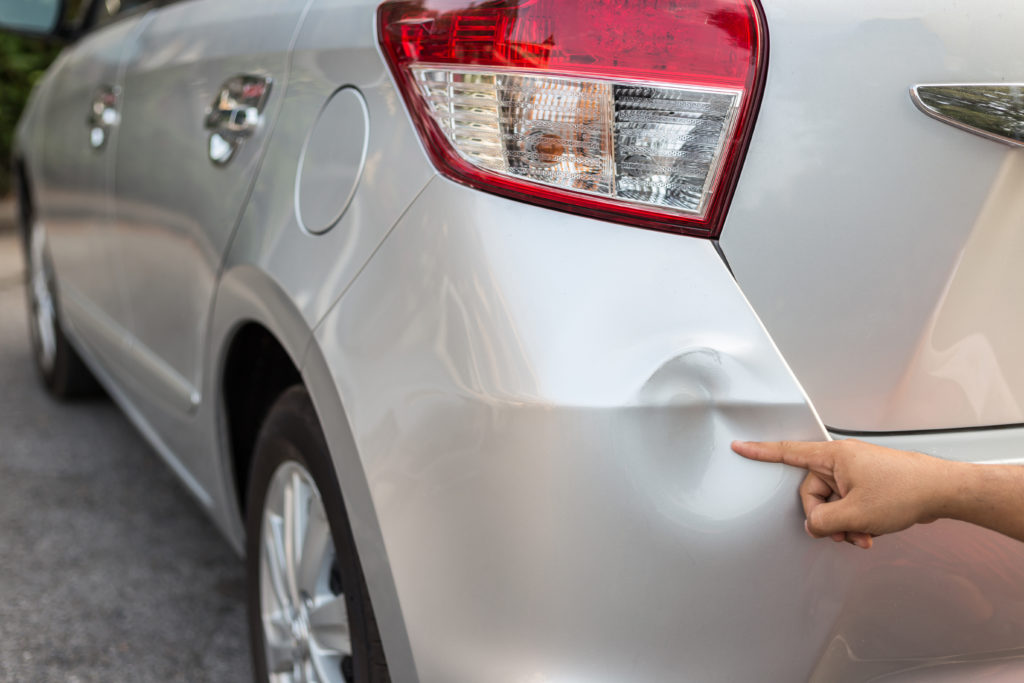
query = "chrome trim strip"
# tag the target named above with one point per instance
(994, 111)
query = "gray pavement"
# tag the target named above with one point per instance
(7, 209)
(108, 569)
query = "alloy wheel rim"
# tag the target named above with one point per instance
(44, 310)
(302, 609)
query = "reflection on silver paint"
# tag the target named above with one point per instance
(967, 362)
(939, 602)
(102, 115)
(994, 110)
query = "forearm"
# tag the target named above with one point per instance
(991, 496)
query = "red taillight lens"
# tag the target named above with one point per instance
(637, 112)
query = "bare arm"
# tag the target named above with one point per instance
(855, 490)
(991, 496)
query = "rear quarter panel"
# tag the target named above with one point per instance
(539, 408)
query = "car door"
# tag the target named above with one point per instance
(201, 92)
(74, 182)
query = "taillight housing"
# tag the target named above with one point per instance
(637, 112)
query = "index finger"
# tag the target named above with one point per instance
(805, 454)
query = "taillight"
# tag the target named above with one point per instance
(637, 112)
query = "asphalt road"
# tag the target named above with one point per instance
(108, 569)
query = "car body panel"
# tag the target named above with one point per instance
(285, 279)
(335, 49)
(944, 601)
(126, 397)
(362, 514)
(528, 503)
(73, 182)
(172, 249)
(549, 460)
(872, 240)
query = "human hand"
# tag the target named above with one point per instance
(856, 490)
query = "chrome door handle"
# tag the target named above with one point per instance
(103, 115)
(235, 115)
(240, 121)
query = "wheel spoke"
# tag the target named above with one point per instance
(273, 552)
(279, 657)
(323, 664)
(43, 310)
(316, 547)
(329, 624)
(296, 497)
(305, 626)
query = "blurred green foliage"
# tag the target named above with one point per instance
(22, 63)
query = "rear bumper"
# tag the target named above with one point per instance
(990, 445)
(542, 405)
(940, 602)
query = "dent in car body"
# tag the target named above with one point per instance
(549, 465)
(545, 406)
(542, 406)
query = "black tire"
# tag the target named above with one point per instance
(291, 432)
(63, 372)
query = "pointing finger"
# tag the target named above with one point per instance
(806, 454)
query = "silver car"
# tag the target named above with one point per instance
(447, 312)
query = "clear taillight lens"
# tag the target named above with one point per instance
(637, 112)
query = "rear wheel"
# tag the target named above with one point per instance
(310, 615)
(62, 370)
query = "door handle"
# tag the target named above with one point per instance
(103, 115)
(236, 114)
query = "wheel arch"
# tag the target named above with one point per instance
(256, 371)
(256, 344)
(22, 187)
(252, 314)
